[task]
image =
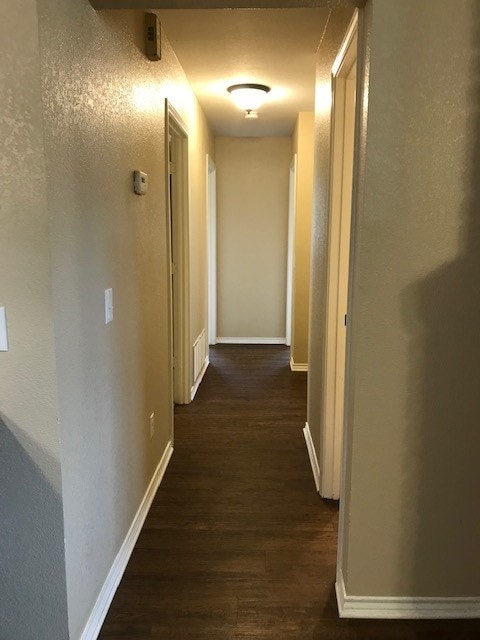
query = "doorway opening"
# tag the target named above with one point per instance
(290, 248)
(341, 186)
(212, 249)
(178, 253)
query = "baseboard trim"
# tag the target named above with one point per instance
(198, 381)
(312, 455)
(298, 366)
(251, 340)
(104, 600)
(400, 608)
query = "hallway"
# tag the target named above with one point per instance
(237, 544)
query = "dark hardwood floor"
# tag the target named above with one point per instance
(237, 544)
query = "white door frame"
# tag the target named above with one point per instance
(178, 251)
(341, 183)
(212, 249)
(292, 200)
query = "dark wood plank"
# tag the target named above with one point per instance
(237, 544)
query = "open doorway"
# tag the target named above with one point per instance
(178, 253)
(342, 163)
(212, 249)
(290, 249)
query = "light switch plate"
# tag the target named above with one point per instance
(3, 330)
(108, 305)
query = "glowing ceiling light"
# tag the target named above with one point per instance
(248, 96)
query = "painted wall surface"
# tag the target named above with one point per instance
(411, 522)
(104, 117)
(31, 520)
(252, 234)
(318, 272)
(303, 140)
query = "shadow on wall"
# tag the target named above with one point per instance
(33, 600)
(442, 313)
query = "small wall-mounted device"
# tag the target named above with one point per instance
(140, 183)
(108, 306)
(3, 330)
(153, 44)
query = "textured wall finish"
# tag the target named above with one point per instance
(252, 228)
(303, 142)
(411, 515)
(104, 117)
(31, 520)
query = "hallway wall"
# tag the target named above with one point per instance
(104, 117)
(411, 524)
(31, 515)
(252, 231)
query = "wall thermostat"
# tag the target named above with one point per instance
(140, 182)
(153, 47)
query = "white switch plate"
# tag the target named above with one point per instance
(3, 330)
(108, 305)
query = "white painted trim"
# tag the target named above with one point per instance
(361, 119)
(347, 41)
(312, 455)
(339, 231)
(212, 249)
(298, 366)
(179, 231)
(200, 377)
(292, 202)
(407, 608)
(251, 340)
(104, 600)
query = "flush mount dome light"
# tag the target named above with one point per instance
(248, 96)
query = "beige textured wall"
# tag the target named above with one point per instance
(303, 140)
(318, 271)
(104, 117)
(32, 560)
(252, 229)
(411, 525)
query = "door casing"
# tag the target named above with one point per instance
(178, 251)
(341, 186)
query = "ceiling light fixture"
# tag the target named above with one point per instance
(249, 97)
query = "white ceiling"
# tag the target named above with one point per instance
(276, 47)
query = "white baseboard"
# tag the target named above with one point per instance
(104, 600)
(251, 340)
(298, 366)
(198, 381)
(399, 608)
(312, 455)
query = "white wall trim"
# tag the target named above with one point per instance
(292, 202)
(212, 249)
(104, 600)
(251, 340)
(200, 377)
(408, 608)
(298, 366)
(312, 455)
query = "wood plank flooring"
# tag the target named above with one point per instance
(238, 545)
